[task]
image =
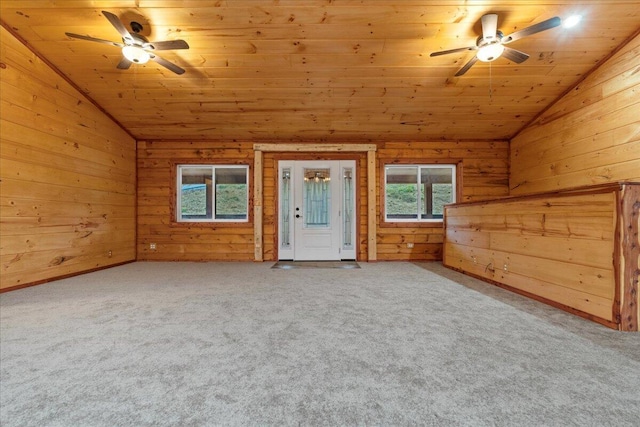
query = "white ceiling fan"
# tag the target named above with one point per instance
(491, 44)
(135, 47)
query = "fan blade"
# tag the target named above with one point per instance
(536, 28)
(446, 52)
(515, 55)
(168, 65)
(467, 66)
(489, 27)
(167, 45)
(118, 25)
(124, 64)
(93, 39)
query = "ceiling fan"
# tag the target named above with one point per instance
(135, 47)
(491, 44)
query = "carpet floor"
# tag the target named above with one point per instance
(195, 344)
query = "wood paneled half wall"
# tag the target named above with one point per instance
(577, 250)
(68, 176)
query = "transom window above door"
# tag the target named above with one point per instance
(212, 193)
(418, 193)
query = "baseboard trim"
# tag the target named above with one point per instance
(591, 317)
(64, 276)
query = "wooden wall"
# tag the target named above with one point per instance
(484, 170)
(590, 136)
(576, 251)
(270, 240)
(67, 190)
(628, 253)
(484, 175)
(560, 248)
(156, 186)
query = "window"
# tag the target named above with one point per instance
(418, 192)
(211, 193)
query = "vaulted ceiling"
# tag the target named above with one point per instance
(332, 70)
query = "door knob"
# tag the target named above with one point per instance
(298, 216)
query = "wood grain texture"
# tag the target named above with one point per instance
(538, 245)
(331, 70)
(590, 136)
(484, 175)
(629, 264)
(156, 217)
(372, 244)
(258, 203)
(68, 176)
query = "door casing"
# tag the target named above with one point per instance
(309, 243)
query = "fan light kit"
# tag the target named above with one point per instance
(136, 54)
(491, 44)
(490, 52)
(136, 49)
(571, 21)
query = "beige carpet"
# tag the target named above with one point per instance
(201, 344)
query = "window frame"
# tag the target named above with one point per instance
(455, 165)
(176, 215)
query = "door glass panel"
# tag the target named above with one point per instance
(285, 208)
(347, 206)
(316, 198)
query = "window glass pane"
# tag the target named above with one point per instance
(442, 195)
(436, 190)
(231, 193)
(195, 193)
(418, 192)
(401, 193)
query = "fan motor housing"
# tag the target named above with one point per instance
(138, 40)
(480, 41)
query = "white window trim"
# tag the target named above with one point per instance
(213, 168)
(419, 166)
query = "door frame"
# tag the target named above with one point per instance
(295, 248)
(258, 194)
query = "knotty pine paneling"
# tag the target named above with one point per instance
(192, 241)
(571, 249)
(68, 176)
(271, 208)
(590, 136)
(484, 175)
(330, 70)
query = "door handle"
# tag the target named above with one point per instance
(298, 216)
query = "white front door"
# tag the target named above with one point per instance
(316, 215)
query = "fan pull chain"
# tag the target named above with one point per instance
(490, 84)
(135, 83)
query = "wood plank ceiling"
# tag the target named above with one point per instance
(322, 70)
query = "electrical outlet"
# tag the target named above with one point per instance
(152, 246)
(410, 245)
(110, 254)
(504, 267)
